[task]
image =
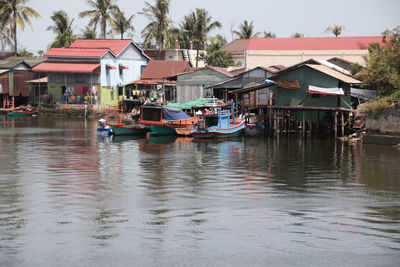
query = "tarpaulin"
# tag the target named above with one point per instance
(324, 91)
(363, 93)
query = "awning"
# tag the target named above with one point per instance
(123, 67)
(67, 68)
(41, 80)
(363, 93)
(324, 91)
(110, 67)
(191, 104)
(154, 81)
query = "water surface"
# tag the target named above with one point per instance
(69, 197)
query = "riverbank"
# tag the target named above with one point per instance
(72, 111)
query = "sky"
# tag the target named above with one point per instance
(282, 17)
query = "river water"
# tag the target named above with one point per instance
(71, 198)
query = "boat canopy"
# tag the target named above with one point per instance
(191, 104)
(170, 113)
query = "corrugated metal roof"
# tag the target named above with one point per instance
(67, 68)
(333, 73)
(3, 71)
(312, 43)
(40, 80)
(157, 69)
(76, 52)
(191, 104)
(114, 45)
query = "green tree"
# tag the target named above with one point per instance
(383, 64)
(62, 28)
(100, 12)
(25, 53)
(88, 33)
(335, 29)
(15, 12)
(246, 31)
(122, 23)
(5, 38)
(202, 25)
(298, 35)
(215, 56)
(159, 25)
(269, 35)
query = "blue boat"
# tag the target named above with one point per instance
(218, 125)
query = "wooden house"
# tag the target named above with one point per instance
(195, 84)
(14, 74)
(92, 70)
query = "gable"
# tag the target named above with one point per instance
(203, 75)
(132, 52)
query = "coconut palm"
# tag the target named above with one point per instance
(202, 25)
(269, 35)
(246, 30)
(122, 23)
(159, 25)
(100, 12)
(335, 29)
(5, 37)
(297, 35)
(88, 33)
(15, 12)
(62, 28)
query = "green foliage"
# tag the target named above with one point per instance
(380, 104)
(383, 65)
(215, 56)
(88, 33)
(159, 24)
(335, 29)
(121, 23)
(25, 53)
(246, 31)
(269, 35)
(62, 28)
(100, 12)
(356, 68)
(13, 13)
(298, 35)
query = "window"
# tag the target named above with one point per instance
(142, 68)
(120, 90)
(112, 95)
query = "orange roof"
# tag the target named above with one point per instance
(67, 68)
(76, 52)
(311, 43)
(157, 69)
(117, 46)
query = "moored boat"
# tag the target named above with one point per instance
(253, 129)
(218, 125)
(22, 113)
(119, 128)
(164, 120)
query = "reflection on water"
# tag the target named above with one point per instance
(70, 197)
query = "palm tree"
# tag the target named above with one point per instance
(88, 33)
(159, 25)
(5, 37)
(62, 28)
(246, 30)
(202, 25)
(13, 12)
(215, 56)
(100, 13)
(269, 35)
(298, 35)
(335, 29)
(121, 23)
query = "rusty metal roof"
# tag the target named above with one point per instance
(333, 73)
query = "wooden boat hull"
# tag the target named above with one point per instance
(162, 130)
(214, 132)
(121, 129)
(21, 113)
(253, 129)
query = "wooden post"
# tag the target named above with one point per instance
(311, 113)
(342, 124)
(335, 115)
(317, 122)
(304, 123)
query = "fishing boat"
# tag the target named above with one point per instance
(164, 120)
(119, 128)
(103, 129)
(253, 129)
(218, 125)
(22, 112)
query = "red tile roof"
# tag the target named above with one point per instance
(76, 52)
(117, 46)
(67, 68)
(157, 69)
(237, 46)
(311, 43)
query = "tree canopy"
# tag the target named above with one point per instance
(335, 29)
(62, 28)
(246, 30)
(215, 56)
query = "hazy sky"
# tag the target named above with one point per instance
(283, 17)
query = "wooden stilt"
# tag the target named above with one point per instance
(335, 129)
(342, 123)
